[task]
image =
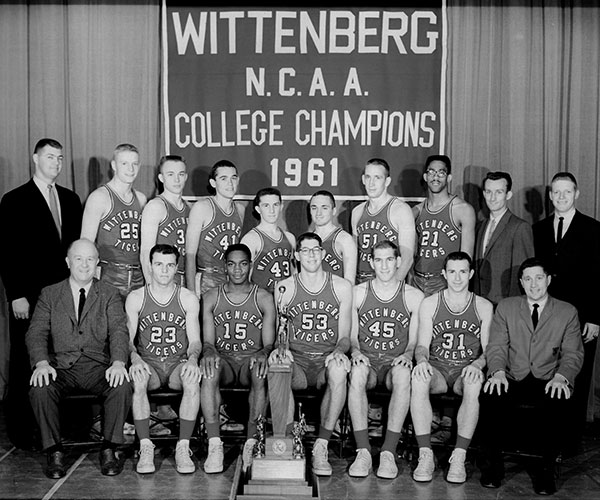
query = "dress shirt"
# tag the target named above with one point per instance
(567, 219)
(75, 292)
(43, 187)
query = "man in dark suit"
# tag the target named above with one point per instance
(569, 243)
(42, 219)
(78, 342)
(502, 243)
(533, 356)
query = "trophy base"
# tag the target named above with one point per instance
(274, 479)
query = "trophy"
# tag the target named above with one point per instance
(281, 458)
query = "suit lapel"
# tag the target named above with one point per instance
(526, 314)
(67, 300)
(499, 228)
(546, 312)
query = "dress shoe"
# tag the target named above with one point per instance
(110, 465)
(543, 483)
(55, 468)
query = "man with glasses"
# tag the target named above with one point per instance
(444, 223)
(319, 308)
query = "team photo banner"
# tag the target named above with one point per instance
(300, 99)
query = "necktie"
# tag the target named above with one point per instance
(559, 230)
(534, 315)
(81, 304)
(490, 231)
(54, 208)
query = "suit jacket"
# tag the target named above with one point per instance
(554, 346)
(497, 272)
(574, 263)
(101, 333)
(33, 255)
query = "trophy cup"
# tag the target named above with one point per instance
(279, 460)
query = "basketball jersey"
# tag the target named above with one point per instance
(171, 230)
(456, 338)
(383, 325)
(223, 230)
(332, 260)
(273, 262)
(238, 327)
(371, 229)
(118, 236)
(314, 319)
(161, 334)
(437, 236)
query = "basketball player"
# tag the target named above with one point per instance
(444, 223)
(165, 218)
(319, 306)
(239, 331)
(384, 334)
(215, 223)
(164, 333)
(111, 218)
(453, 333)
(340, 248)
(382, 217)
(272, 248)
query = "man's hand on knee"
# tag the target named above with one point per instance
(42, 374)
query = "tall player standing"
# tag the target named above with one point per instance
(444, 223)
(215, 223)
(111, 218)
(272, 248)
(340, 248)
(165, 218)
(382, 217)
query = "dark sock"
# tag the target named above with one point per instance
(325, 433)
(362, 439)
(107, 445)
(213, 429)
(463, 442)
(424, 440)
(251, 429)
(56, 447)
(390, 442)
(142, 428)
(186, 428)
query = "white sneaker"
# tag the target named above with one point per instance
(214, 460)
(248, 452)
(457, 472)
(320, 465)
(387, 465)
(183, 462)
(361, 467)
(145, 463)
(426, 466)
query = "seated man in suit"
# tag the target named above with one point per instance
(77, 342)
(533, 355)
(503, 242)
(164, 331)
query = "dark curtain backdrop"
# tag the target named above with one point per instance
(523, 95)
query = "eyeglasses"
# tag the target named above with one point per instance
(437, 173)
(312, 251)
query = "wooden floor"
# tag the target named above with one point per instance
(21, 476)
